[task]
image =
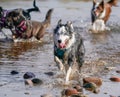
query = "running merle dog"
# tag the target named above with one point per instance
(68, 48)
(24, 12)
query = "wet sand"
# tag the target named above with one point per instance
(102, 50)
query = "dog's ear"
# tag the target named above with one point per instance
(69, 23)
(60, 22)
(13, 14)
(70, 26)
(102, 3)
(94, 2)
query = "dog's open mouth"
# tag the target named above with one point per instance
(63, 45)
(22, 26)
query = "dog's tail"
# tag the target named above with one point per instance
(47, 20)
(113, 3)
(35, 8)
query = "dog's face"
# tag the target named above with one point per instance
(14, 18)
(98, 8)
(63, 33)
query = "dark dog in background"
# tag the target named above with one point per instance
(26, 29)
(68, 48)
(23, 12)
(26, 12)
(100, 14)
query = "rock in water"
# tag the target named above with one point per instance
(96, 80)
(37, 81)
(13, 72)
(115, 79)
(28, 75)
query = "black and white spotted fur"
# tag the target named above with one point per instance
(68, 48)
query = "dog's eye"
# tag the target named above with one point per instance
(56, 29)
(98, 8)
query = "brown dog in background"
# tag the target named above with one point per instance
(99, 8)
(100, 14)
(26, 29)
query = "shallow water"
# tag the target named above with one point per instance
(101, 50)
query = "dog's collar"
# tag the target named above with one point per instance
(59, 52)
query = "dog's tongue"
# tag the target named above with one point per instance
(96, 13)
(62, 45)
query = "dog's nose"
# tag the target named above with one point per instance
(59, 41)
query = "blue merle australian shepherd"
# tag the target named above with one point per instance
(68, 48)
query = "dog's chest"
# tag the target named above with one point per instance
(99, 25)
(60, 53)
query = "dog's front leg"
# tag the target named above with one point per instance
(59, 63)
(68, 74)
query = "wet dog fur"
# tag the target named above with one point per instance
(68, 48)
(100, 14)
(26, 29)
(24, 12)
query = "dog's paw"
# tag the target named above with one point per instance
(61, 67)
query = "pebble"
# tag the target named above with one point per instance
(112, 96)
(82, 95)
(118, 71)
(78, 88)
(49, 73)
(46, 95)
(69, 92)
(91, 87)
(33, 82)
(96, 80)
(115, 79)
(37, 81)
(27, 93)
(13, 72)
(28, 75)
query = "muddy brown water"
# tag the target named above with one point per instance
(102, 50)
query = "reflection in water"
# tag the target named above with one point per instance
(99, 38)
(13, 50)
